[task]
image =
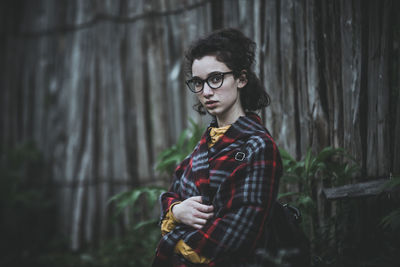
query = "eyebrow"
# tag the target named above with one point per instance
(208, 75)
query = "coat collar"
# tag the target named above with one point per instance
(242, 129)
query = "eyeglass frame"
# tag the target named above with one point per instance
(206, 81)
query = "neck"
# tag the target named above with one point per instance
(230, 117)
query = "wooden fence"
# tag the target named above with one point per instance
(99, 86)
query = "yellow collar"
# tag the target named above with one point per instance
(216, 133)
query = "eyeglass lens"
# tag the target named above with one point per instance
(214, 81)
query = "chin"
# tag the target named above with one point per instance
(212, 112)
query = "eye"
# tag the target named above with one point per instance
(215, 79)
(197, 82)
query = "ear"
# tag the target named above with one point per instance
(242, 79)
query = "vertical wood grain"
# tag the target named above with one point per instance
(99, 86)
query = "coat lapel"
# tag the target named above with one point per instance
(200, 168)
(235, 137)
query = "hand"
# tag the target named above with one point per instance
(191, 212)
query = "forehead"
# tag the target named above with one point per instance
(207, 64)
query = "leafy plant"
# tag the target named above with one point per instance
(171, 157)
(392, 220)
(131, 202)
(325, 166)
(136, 248)
(330, 167)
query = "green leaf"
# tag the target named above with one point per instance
(153, 194)
(392, 220)
(307, 161)
(281, 195)
(290, 178)
(172, 160)
(285, 155)
(306, 201)
(167, 152)
(145, 223)
(182, 138)
(392, 183)
(328, 152)
(129, 199)
(171, 157)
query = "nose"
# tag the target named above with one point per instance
(207, 91)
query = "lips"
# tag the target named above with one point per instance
(211, 104)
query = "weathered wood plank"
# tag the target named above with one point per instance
(350, 34)
(378, 89)
(365, 189)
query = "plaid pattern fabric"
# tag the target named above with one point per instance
(239, 176)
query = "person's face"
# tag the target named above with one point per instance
(225, 100)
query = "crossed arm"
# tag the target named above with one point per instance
(250, 197)
(192, 213)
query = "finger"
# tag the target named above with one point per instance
(197, 226)
(204, 208)
(196, 198)
(200, 221)
(204, 215)
(210, 215)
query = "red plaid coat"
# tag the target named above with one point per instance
(239, 176)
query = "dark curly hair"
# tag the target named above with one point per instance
(237, 51)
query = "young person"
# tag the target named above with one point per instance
(217, 206)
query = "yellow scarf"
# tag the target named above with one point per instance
(216, 133)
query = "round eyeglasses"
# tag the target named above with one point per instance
(214, 81)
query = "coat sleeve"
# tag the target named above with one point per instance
(172, 196)
(248, 193)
